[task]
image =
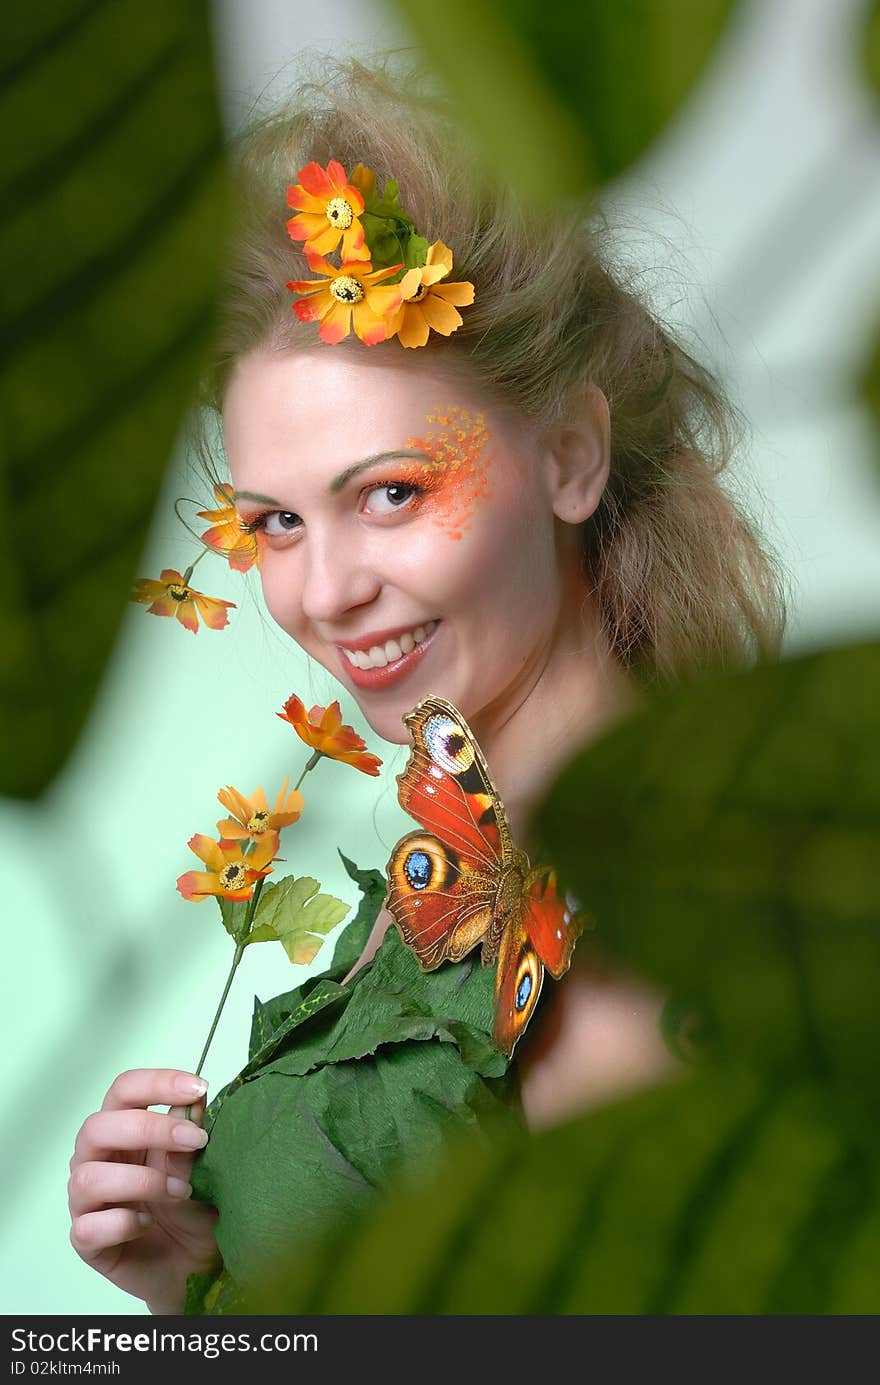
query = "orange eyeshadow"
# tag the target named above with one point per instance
(457, 474)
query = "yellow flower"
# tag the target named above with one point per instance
(230, 873)
(329, 208)
(229, 534)
(171, 596)
(427, 304)
(322, 729)
(352, 291)
(252, 817)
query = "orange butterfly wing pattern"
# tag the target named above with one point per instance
(462, 881)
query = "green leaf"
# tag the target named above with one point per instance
(726, 839)
(713, 1195)
(293, 912)
(233, 913)
(113, 187)
(415, 252)
(561, 96)
(352, 940)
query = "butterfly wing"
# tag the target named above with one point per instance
(542, 934)
(443, 882)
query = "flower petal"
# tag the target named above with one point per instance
(460, 294)
(213, 611)
(197, 885)
(316, 180)
(163, 606)
(186, 614)
(413, 330)
(335, 323)
(441, 317)
(207, 850)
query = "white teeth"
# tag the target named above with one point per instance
(381, 655)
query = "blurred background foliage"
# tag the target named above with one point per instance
(737, 819)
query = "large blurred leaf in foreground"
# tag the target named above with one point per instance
(714, 1195)
(564, 95)
(111, 182)
(727, 840)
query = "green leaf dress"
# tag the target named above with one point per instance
(344, 1085)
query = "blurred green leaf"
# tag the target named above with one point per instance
(713, 1195)
(871, 47)
(561, 96)
(869, 391)
(112, 195)
(727, 839)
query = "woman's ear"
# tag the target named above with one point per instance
(578, 458)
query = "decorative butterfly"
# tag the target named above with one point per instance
(463, 882)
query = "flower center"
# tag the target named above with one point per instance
(339, 213)
(178, 592)
(258, 822)
(420, 293)
(347, 290)
(232, 876)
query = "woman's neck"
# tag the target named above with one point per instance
(572, 692)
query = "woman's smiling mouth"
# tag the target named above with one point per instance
(376, 661)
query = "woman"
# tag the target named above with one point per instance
(522, 516)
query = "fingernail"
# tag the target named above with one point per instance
(177, 1187)
(190, 1086)
(189, 1136)
(145, 1219)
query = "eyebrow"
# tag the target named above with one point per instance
(344, 476)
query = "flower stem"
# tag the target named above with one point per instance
(240, 945)
(189, 572)
(311, 765)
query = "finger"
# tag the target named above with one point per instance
(153, 1087)
(105, 1132)
(93, 1185)
(96, 1232)
(180, 1165)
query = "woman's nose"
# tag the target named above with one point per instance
(338, 578)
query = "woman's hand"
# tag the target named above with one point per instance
(131, 1218)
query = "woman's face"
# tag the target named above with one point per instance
(433, 567)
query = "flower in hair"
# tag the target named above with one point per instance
(378, 241)
(353, 291)
(228, 534)
(428, 304)
(329, 209)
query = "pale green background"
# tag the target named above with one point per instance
(756, 221)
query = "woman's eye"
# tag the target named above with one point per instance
(279, 523)
(393, 495)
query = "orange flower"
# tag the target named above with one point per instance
(171, 596)
(322, 729)
(329, 208)
(252, 817)
(428, 304)
(350, 291)
(229, 534)
(230, 874)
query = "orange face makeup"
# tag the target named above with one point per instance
(457, 474)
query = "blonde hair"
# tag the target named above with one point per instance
(679, 576)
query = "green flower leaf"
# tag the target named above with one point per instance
(296, 915)
(233, 913)
(415, 252)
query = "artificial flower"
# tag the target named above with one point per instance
(230, 873)
(352, 291)
(171, 596)
(329, 207)
(427, 304)
(252, 817)
(229, 534)
(322, 729)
